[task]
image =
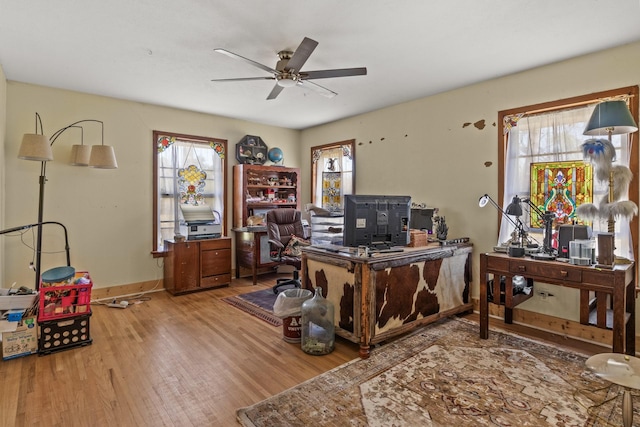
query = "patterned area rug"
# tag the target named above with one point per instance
(445, 375)
(258, 303)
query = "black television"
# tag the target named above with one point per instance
(378, 222)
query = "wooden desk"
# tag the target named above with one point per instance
(379, 297)
(252, 252)
(616, 285)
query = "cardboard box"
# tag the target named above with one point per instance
(418, 238)
(21, 342)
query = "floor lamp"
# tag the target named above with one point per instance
(610, 118)
(36, 146)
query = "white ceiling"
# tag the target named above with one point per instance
(161, 51)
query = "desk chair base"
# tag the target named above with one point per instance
(294, 282)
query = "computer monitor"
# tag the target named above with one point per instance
(378, 222)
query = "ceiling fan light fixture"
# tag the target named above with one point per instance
(287, 80)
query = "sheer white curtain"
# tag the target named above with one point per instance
(181, 154)
(552, 137)
(332, 160)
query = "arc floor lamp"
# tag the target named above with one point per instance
(36, 146)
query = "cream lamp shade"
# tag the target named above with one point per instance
(103, 157)
(35, 147)
(80, 155)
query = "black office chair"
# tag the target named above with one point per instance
(282, 225)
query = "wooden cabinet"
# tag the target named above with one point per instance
(258, 189)
(197, 264)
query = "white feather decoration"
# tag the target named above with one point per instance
(622, 176)
(587, 211)
(625, 209)
(601, 153)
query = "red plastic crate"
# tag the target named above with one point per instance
(65, 299)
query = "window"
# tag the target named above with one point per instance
(546, 134)
(332, 174)
(188, 170)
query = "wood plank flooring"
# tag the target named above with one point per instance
(188, 360)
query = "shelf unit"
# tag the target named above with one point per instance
(327, 229)
(258, 189)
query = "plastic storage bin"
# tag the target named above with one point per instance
(65, 299)
(62, 334)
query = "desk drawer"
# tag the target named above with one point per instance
(211, 244)
(542, 270)
(498, 264)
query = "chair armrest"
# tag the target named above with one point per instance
(276, 243)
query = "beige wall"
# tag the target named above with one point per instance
(423, 148)
(3, 127)
(108, 212)
(420, 148)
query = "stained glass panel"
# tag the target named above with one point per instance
(560, 187)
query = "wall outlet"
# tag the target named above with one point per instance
(544, 294)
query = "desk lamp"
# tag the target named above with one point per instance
(519, 235)
(515, 209)
(37, 147)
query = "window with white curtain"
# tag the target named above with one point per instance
(555, 134)
(187, 170)
(333, 174)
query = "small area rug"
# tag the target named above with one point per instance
(445, 375)
(258, 303)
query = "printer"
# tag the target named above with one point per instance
(201, 222)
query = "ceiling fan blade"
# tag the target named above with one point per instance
(325, 74)
(301, 54)
(247, 60)
(241, 79)
(317, 88)
(275, 92)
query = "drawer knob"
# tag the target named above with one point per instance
(564, 273)
(522, 268)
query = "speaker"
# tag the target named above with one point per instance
(567, 233)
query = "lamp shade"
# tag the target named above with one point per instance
(103, 157)
(514, 207)
(611, 118)
(35, 147)
(80, 155)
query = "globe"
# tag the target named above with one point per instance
(275, 155)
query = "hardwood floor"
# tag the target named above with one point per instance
(188, 360)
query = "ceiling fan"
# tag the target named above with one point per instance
(287, 72)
